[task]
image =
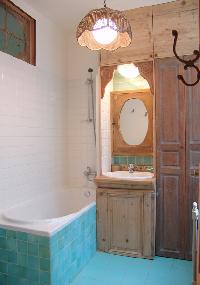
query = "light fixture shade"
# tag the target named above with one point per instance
(113, 19)
(128, 71)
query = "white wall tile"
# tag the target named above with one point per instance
(106, 129)
(45, 140)
(33, 113)
(81, 150)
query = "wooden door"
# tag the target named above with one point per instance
(170, 159)
(125, 223)
(192, 153)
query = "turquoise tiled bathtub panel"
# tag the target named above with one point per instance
(27, 259)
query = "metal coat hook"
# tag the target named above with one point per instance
(187, 63)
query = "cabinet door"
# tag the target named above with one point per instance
(125, 224)
(192, 153)
(170, 159)
(102, 220)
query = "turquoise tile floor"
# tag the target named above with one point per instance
(108, 269)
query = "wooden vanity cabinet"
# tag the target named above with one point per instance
(126, 221)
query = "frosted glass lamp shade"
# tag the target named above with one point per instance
(128, 71)
(104, 31)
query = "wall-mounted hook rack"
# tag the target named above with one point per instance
(187, 63)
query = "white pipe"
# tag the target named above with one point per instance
(195, 215)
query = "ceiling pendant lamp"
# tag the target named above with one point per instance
(104, 29)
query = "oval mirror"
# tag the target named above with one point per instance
(134, 121)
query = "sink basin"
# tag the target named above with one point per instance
(136, 175)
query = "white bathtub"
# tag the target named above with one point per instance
(48, 213)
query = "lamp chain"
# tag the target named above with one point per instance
(104, 3)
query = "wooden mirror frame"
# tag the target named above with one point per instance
(117, 101)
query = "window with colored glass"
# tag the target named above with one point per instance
(17, 32)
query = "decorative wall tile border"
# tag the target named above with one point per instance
(138, 160)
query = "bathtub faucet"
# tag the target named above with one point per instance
(89, 173)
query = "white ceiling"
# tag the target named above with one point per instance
(68, 13)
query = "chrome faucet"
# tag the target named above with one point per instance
(89, 173)
(131, 168)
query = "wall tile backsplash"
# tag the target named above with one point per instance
(138, 160)
(27, 259)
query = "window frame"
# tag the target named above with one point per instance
(30, 27)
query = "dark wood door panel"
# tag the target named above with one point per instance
(170, 217)
(193, 110)
(170, 159)
(192, 196)
(192, 154)
(169, 102)
(177, 155)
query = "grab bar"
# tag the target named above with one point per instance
(195, 216)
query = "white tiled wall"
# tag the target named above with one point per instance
(106, 129)
(80, 137)
(45, 141)
(33, 118)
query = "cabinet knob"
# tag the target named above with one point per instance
(103, 239)
(127, 240)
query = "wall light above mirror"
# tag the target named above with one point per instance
(145, 72)
(120, 83)
(128, 71)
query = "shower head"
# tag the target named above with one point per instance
(90, 80)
